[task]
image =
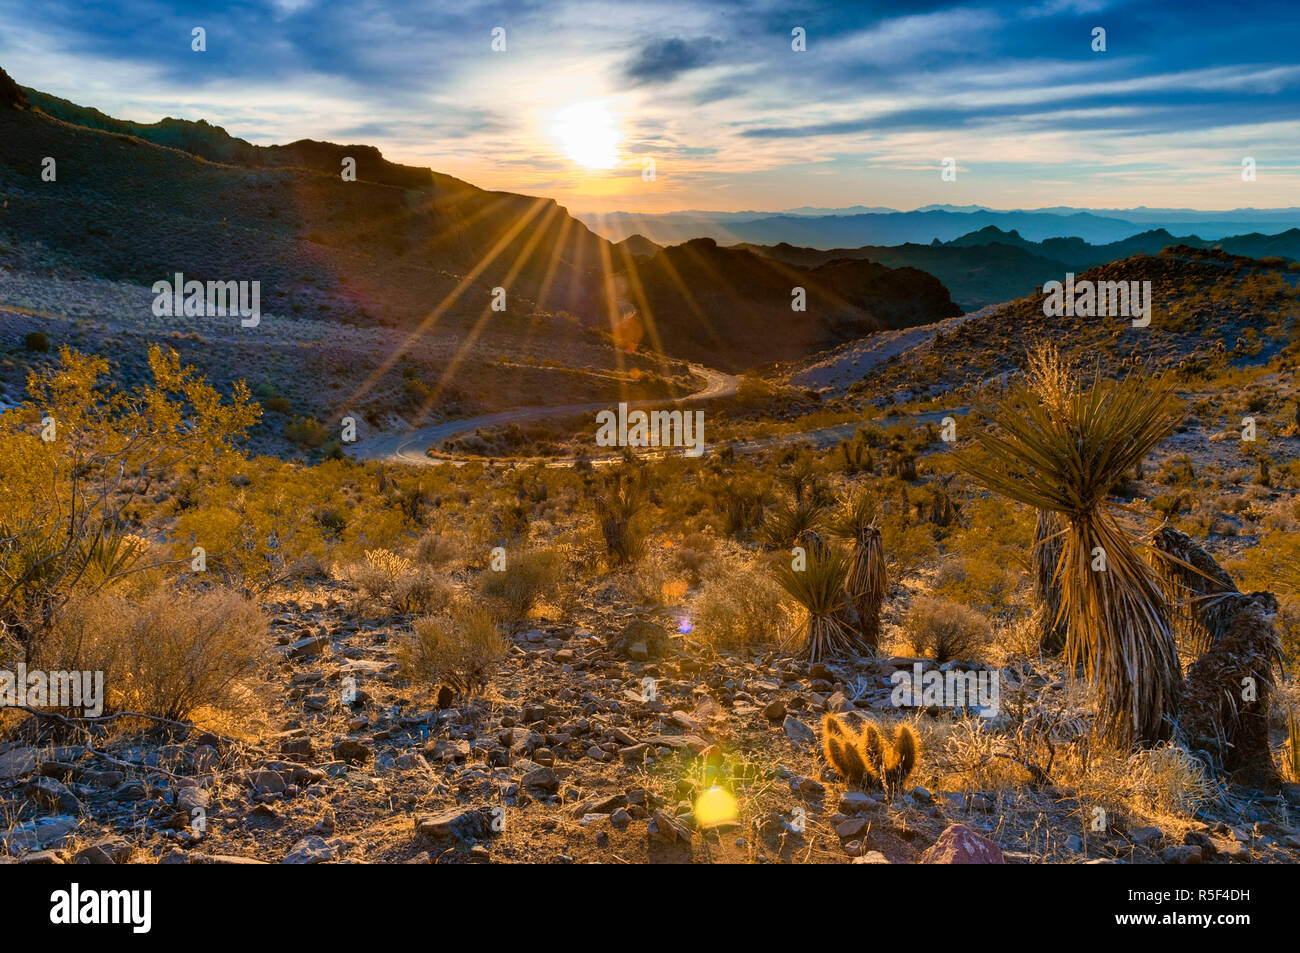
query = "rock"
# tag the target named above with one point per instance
(42, 857)
(634, 754)
(797, 731)
(871, 857)
(229, 860)
(541, 779)
(855, 802)
(91, 854)
(922, 796)
(53, 795)
(839, 703)
(449, 749)
(266, 781)
(117, 849)
(620, 819)
(412, 761)
(300, 748)
(456, 824)
(17, 762)
(1183, 854)
(311, 850)
(809, 789)
(851, 827)
(774, 711)
(668, 829)
(958, 844)
(1146, 836)
(693, 743)
(353, 752)
(1074, 844)
(308, 647)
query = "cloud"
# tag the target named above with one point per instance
(661, 61)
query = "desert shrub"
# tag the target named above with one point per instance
(458, 649)
(171, 655)
(435, 549)
(279, 405)
(37, 341)
(64, 502)
(737, 607)
(306, 432)
(379, 576)
(945, 629)
(528, 576)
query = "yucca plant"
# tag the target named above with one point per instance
(819, 588)
(785, 521)
(618, 507)
(1063, 454)
(867, 581)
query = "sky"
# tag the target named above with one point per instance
(585, 95)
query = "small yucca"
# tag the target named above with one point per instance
(819, 589)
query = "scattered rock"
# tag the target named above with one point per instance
(958, 844)
(797, 731)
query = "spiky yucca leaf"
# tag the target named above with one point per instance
(1065, 458)
(1048, 530)
(819, 589)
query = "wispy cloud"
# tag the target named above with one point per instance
(714, 93)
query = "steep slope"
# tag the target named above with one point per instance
(732, 309)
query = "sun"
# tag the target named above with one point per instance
(589, 134)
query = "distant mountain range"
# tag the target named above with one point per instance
(858, 226)
(990, 266)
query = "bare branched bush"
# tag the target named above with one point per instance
(459, 649)
(166, 656)
(528, 577)
(738, 607)
(945, 629)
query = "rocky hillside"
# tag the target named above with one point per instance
(733, 309)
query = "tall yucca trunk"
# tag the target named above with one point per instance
(1046, 558)
(1118, 628)
(867, 583)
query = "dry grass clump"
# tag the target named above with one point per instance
(528, 577)
(165, 656)
(945, 630)
(435, 549)
(386, 580)
(739, 607)
(459, 649)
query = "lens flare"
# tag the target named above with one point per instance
(715, 806)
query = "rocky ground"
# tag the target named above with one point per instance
(583, 749)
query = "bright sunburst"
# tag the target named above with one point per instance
(589, 134)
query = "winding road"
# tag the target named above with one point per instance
(410, 446)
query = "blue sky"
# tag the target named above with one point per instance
(712, 92)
